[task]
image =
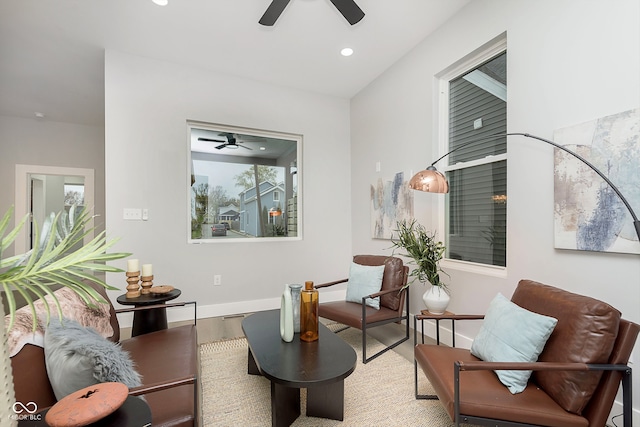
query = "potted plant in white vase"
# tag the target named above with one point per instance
(425, 251)
(58, 258)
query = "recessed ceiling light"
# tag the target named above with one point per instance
(161, 2)
(263, 148)
(347, 51)
(39, 115)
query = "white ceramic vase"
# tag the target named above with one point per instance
(286, 315)
(436, 299)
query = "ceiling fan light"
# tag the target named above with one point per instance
(161, 2)
(232, 146)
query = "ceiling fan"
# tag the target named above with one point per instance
(348, 8)
(231, 142)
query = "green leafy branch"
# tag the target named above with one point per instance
(58, 257)
(424, 249)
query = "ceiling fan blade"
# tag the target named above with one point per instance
(244, 146)
(211, 140)
(273, 12)
(221, 146)
(350, 10)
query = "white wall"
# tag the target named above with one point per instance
(568, 62)
(147, 106)
(47, 143)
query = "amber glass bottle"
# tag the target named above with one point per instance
(309, 313)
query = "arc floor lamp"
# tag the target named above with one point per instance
(432, 181)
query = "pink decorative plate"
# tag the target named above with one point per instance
(87, 405)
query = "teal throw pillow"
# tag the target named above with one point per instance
(512, 334)
(365, 280)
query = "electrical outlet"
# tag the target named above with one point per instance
(217, 280)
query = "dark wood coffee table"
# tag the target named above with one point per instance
(320, 367)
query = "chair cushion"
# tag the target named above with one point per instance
(161, 356)
(585, 333)
(482, 394)
(350, 313)
(364, 280)
(77, 357)
(510, 333)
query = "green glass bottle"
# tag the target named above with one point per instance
(309, 313)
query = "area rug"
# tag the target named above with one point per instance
(380, 393)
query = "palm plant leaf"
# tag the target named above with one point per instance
(58, 257)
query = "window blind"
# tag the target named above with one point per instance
(477, 201)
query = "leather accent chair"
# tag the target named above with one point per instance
(166, 359)
(394, 302)
(575, 379)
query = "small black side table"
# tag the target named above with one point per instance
(134, 412)
(154, 319)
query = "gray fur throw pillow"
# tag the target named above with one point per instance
(78, 356)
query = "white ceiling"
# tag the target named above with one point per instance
(52, 51)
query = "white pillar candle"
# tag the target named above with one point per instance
(133, 265)
(146, 269)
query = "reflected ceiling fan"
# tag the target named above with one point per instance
(348, 8)
(231, 142)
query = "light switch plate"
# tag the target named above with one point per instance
(132, 214)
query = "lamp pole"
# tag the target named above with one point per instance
(636, 222)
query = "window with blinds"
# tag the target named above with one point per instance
(476, 216)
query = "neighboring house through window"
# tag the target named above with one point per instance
(268, 200)
(476, 205)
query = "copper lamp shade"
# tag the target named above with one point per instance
(429, 181)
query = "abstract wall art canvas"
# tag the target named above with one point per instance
(589, 216)
(391, 201)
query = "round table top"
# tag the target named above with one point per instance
(87, 405)
(148, 299)
(134, 412)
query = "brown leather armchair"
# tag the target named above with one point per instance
(394, 302)
(574, 382)
(166, 359)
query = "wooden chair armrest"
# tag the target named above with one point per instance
(149, 307)
(388, 291)
(163, 385)
(536, 366)
(450, 316)
(325, 285)
(168, 305)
